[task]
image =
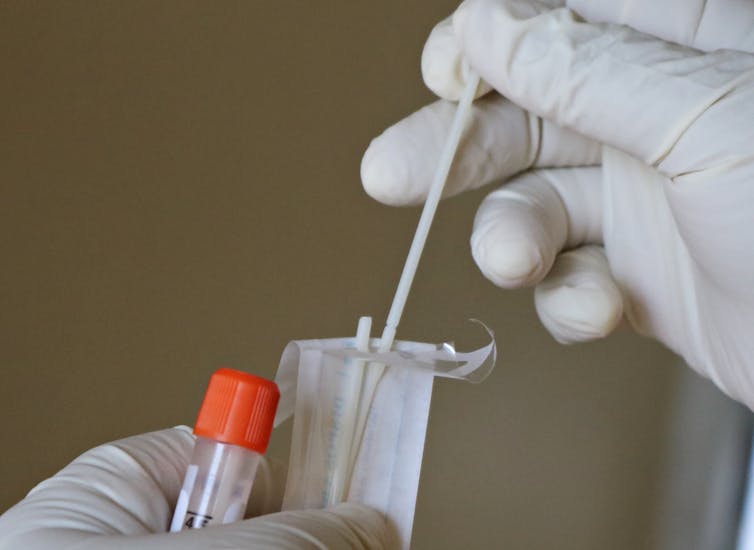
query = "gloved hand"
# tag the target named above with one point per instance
(121, 495)
(629, 160)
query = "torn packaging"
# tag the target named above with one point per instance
(316, 381)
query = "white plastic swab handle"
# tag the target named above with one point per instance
(342, 466)
(374, 370)
(463, 111)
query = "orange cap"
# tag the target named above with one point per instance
(238, 408)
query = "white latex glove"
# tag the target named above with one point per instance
(630, 163)
(121, 496)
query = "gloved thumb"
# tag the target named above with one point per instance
(657, 101)
(443, 64)
(443, 68)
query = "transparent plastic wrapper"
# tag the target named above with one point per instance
(326, 386)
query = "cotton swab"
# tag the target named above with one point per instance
(463, 111)
(374, 370)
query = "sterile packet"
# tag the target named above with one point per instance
(331, 458)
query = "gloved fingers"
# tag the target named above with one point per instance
(579, 300)
(501, 140)
(125, 487)
(345, 527)
(658, 101)
(520, 228)
(700, 24)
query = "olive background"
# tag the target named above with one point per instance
(180, 191)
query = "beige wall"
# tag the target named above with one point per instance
(180, 190)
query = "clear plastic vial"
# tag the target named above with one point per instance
(233, 428)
